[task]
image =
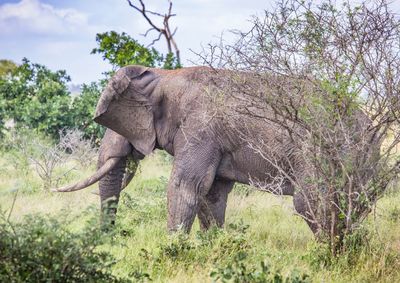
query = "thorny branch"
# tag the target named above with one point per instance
(327, 76)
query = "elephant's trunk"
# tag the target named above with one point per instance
(100, 173)
(110, 188)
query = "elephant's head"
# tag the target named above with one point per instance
(125, 106)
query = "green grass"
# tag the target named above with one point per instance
(259, 228)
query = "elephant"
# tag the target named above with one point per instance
(148, 108)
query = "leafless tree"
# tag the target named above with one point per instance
(47, 157)
(80, 149)
(328, 76)
(164, 30)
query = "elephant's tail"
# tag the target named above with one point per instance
(103, 170)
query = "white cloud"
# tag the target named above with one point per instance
(60, 35)
(32, 16)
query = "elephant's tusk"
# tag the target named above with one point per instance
(103, 170)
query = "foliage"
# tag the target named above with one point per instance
(6, 67)
(357, 248)
(150, 207)
(36, 97)
(268, 232)
(33, 96)
(82, 111)
(243, 190)
(170, 62)
(327, 76)
(238, 272)
(43, 249)
(180, 250)
(354, 246)
(121, 50)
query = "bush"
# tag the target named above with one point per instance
(242, 190)
(357, 249)
(237, 271)
(26, 148)
(147, 207)
(181, 251)
(43, 249)
(331, 90)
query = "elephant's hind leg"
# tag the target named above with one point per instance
(302, 204)
(213, 205)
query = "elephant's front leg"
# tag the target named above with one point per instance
(213, 205)
(192, 177)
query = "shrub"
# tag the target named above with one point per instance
(359, 248)
(181, 251)
(27, 148)
(141, 209)
(76, 144)
(43, 249)
(242, 190)
(237, 271)
(331, 90)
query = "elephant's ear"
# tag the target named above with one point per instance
(125, 107)
(118, 85)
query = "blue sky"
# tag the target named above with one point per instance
(60, 34)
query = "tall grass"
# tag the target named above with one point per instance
(262, 238)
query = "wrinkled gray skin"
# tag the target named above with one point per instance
(116, 146)
(152, 108)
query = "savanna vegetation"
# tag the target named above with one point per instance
(262, 240)
(48, 139)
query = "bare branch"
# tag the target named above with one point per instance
(326, 77)
(163, 31)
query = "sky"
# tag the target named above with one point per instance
(60, 34)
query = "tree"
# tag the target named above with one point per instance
(36, 97)
(164, 31)
(82, 111)
(121, 50)
(7, 67)
(330, 78)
